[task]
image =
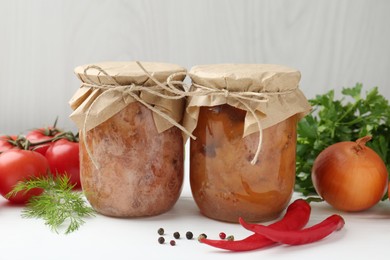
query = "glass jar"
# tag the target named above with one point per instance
(130, 166)
(224, 183)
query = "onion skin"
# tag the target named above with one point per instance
(350, 176)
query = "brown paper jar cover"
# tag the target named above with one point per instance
(224, 183)
(131, 161)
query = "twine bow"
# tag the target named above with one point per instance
(133, 91)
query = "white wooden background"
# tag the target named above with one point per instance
(334, 43)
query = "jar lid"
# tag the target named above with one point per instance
(109, 87)
(246, 77)
(240, 85)
(126, 73)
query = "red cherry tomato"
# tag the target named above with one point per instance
(63, 158)
(18, 165)
(42, 134)
(4, 144)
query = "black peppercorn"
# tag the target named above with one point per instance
(160, 231)
(176, 235)
(172, 242)
(161, 240)
(189, 235)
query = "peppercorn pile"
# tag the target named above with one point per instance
(176, 235)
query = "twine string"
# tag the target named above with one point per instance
(133, 91)
(259, 144)
(173, 89)
(243, 97)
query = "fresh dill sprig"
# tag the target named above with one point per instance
(57, 205)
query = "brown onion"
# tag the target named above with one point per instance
(350, 176)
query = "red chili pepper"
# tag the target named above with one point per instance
(296, 217)
(299, 237)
